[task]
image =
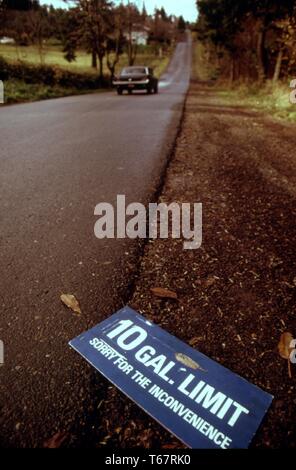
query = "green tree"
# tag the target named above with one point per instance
(181, 24)
(223, 22)
(91, 22)
(115, 39)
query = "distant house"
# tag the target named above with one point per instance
(6, 40)
(140, 35)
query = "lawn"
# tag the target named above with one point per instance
(17, 91)
(53, 55)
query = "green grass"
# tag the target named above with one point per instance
(272, 98)
(201, 68)
(53, 55)
(17, 91)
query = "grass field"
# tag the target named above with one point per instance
(53, 56)
(17, 91)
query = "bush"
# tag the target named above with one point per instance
(51, 76)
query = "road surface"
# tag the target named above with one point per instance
(58, 160)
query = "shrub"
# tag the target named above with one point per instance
(51, 76)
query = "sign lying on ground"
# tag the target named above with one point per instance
(204, 404)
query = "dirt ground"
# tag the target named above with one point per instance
(237, 292)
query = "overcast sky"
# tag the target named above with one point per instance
(187, 8)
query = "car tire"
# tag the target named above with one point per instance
(119, 91)
(130, 92)
(149, 90)
(156, 89)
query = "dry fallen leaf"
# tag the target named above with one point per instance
(164, 293)
(55, 441)
(187, 361)
(195, 340)
(71, 302)
(285, 349)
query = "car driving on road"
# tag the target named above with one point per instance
(136, 78)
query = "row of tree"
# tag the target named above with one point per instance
(250, 39)
(100, 27)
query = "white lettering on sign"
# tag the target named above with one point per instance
(144, 357)
(190, 417)
(141, 335)
(129, 337)
(206, 396)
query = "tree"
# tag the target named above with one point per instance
(144, 12)
(267, 13)
(181, 24)
(132, 19)
(19, 5)
(91, 19)
(225, 22)
(220, 22)
(38, 28)
(162, 29)
(115, 39)
(14, 18)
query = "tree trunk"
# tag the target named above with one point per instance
(112, 66)
(130, 53)
(133, 54)
(94, 61)
(232, 70)
(278, 66)
(101, 71)
(260, 55)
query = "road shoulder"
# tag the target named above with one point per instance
(236, 292)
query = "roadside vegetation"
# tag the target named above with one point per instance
(48, 52)
(270, 97)
(53, 56)
(27, 80)
(247, 51)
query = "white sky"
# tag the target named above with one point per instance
(187, 8)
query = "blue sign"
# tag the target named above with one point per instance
(204, 404)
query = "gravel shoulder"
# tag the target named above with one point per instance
(237, 292)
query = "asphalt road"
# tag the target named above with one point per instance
(58, 159)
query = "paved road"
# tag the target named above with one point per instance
(58, 159)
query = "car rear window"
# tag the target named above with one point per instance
(134, 70)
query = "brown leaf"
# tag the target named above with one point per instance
(71, 302)
(56, 440)
(195, 340)
(164, 293)
(284, 345)
(285, 349)
(187, 361)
